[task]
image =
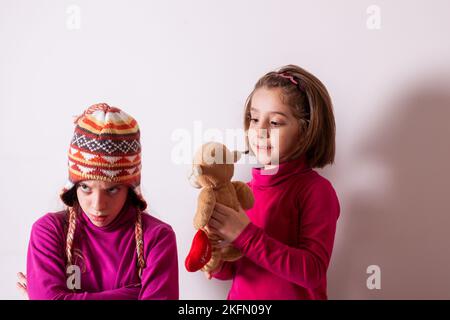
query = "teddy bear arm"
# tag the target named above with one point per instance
(244, 194)
(205, 207)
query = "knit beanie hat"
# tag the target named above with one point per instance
(105, 146)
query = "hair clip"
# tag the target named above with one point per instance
(291, 79)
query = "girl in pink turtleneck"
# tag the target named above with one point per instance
(287, 237)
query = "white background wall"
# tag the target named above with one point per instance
(170, 63)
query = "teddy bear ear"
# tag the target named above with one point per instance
(197, 170)
(236, 156)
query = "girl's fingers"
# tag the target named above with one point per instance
(22, 278)
(22, 289)
(218, 218)
(214, 231)
(224, 210)
(217, 222)
(211, 230)
(214, 224)
(220, 206)
(219, 215)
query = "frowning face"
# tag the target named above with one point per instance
(101, 201)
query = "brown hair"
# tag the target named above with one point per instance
(71, 223)
(310, 104)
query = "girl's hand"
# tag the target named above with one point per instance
(22, 284)
(208, 275)
(227, 223)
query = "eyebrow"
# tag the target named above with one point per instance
(113, 186)
(272, 112)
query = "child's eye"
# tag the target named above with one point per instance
(254, 120)
(85, 188)
(113, 190)
(275, 123)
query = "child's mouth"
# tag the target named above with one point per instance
(259, 147)
(97, 218)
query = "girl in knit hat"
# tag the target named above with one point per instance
(103, 246)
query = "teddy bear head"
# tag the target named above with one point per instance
(213, 165)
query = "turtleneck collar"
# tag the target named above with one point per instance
(126, 216)
(271, 177)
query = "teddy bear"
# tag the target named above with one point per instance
(212, 170)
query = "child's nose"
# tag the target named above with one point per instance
(263, 133)
(99, 202)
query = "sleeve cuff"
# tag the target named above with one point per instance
(246, 235)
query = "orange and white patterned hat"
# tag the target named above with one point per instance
(105, 146)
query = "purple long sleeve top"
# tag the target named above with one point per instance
(107, 259)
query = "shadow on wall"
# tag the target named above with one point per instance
(403, 225)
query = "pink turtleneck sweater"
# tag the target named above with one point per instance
(108, 263)
(287, 246)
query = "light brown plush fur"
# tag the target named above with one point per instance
(212, 171)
